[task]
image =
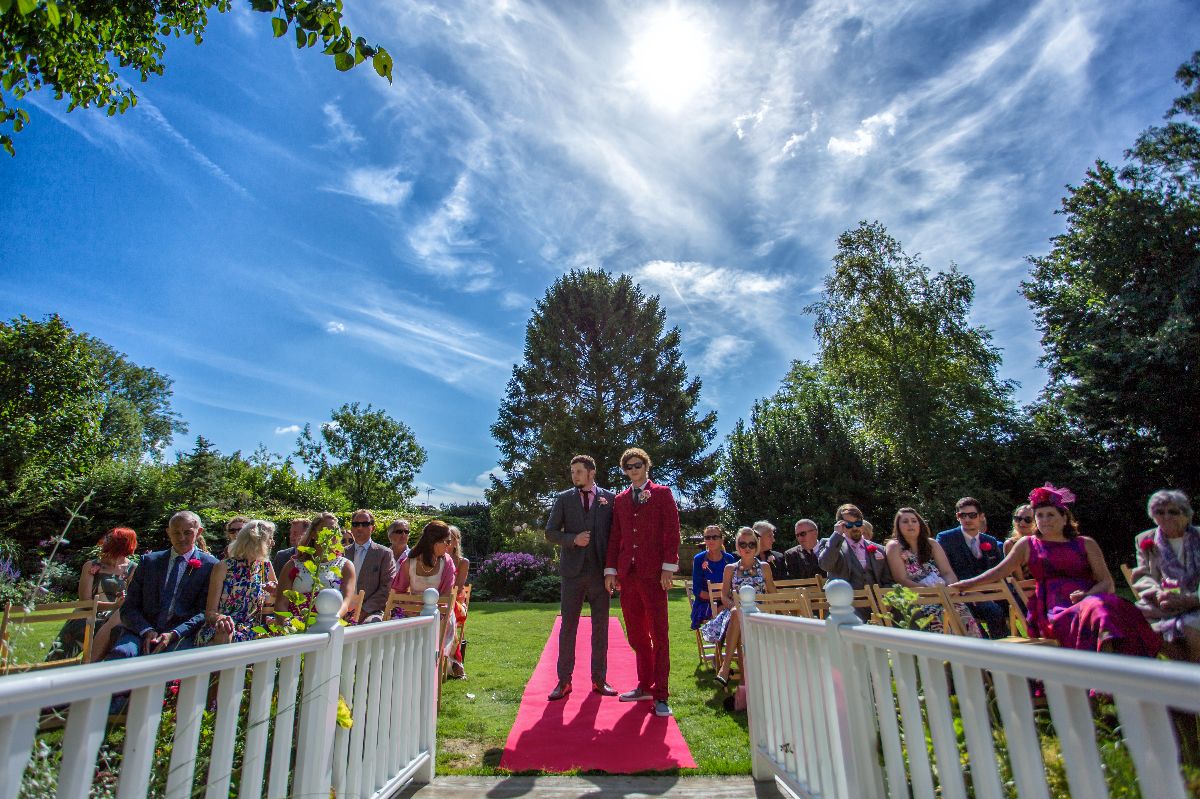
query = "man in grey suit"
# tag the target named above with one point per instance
(296, 531)
(374, 566)
(579, 523)
(848, 555)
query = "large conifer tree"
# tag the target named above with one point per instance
(599, 375)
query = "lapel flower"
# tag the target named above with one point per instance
(602, 500)
(644, 497)
(985, 546)
(876, 551)
(1147, 544)
(194, 563)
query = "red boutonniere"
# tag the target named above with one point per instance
(194, 563)
(876, 551)
(986, 546)
(1147, 545)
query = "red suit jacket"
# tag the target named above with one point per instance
(644, 538)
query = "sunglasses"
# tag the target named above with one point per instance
(967, 514)
(747, 545)
(233, 530)
(713, 537)
(633, 466)
(361, 524)
(1168, 512)
(858, 523)
(1023, 519)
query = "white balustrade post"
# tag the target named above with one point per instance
(754, 681)
(429, 686)
(319, 705)
(851, 698)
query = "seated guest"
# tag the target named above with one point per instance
(748, 569)
(766, 549)
(917, 561)
(397, 534)
(429, 565)
(309, 574)
(1022, 525)
(708, 567)
(462, 567)
(296, 529)
(164, 605)
(240, 586)
(1073, 602)
(848, 555)
(105, 580)
(232, 528)
(972, 552)
(374, 566)
(1168, 574)
(800, 561)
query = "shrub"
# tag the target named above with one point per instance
(542, 589)
(504, 574)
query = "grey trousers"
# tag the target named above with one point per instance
(587, 585)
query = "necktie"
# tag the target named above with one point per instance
(637, 495)
(587, 500)
(974, 540)
(172, 585)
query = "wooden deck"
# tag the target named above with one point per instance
(600, 787)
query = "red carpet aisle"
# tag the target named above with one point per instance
(588, 731)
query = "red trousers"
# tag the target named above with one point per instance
(644, 606)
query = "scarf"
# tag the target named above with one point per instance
(1186, 571)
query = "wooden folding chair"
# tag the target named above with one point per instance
(704, 650)
(713, 653)
(924, 596)
(355, 608)
(789, 602)
(1128, 573)
(863, 599)
(1001, 591)
(817, 582)
(1020, 591)
(16, 616)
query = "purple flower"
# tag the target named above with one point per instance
(9, 571)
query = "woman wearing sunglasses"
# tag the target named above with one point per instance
(746, 570)
(708, 567)
(1022, 525)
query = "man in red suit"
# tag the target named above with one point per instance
(643, 554)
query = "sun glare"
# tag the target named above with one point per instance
(669, 59)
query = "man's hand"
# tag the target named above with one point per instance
(583, 539)
(666, 579)
(611, 583)
(157, 643)
(148, 639)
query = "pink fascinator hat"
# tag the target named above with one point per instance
(1049, 495)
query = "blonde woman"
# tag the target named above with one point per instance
(239, 586)
(461, 567)
(1022, 525)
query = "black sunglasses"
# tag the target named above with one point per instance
(1026, 519)
(632, 465)
(713, 537)
(361, 524)
(747, 545)
(967, 514)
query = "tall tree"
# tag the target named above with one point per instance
(366, 454)
(202, 476)
(1117, 300)
(919, 380)
(82, 50)
(795, 457)
(600, 373)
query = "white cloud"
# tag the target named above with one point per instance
(444, 245)
(341, 129)
(723, 352)
(283, 431)
(464, 492)
(739, 126)
(335, 327)
(377, 186)
(863, 140)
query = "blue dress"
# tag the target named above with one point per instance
(705, 571)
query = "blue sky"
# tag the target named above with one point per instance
(281, 238)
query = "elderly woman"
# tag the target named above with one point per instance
(461, 567)
(1168, 574)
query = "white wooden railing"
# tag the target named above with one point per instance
(386, 672)
(842, 710)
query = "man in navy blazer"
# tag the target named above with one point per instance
(165, 602)
(971, 552)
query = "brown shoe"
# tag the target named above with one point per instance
(560, 690)
(604, 689)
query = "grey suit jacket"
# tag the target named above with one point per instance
(835, 557)
(567, 519)
(375, 578)
(280, 559)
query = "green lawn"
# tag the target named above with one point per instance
(31, 642)
(506, 641)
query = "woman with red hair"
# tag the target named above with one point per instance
(103, 579)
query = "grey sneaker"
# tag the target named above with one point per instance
(661, 708)
(636, 695)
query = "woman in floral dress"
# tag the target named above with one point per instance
(747, 570)
(239, 586)
(917, 560)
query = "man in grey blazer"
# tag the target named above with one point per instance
(579, 523)
(374, 566)
(848, 555)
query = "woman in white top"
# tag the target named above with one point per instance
(429, 565)
(336, 572)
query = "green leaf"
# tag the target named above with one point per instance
(278, 25)
(301, 37)
(52, 14)
(312, 39)
(26, 7)
(382, 62)
(266, 6)
(343, 62)
(5, 5)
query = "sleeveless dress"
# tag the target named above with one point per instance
(1061, 567)
(105, 588)
(714, 629)
(417, 583)
(705, 571)
(243, 594)
(927, 574)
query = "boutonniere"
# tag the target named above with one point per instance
(1147, 545)
(985, 546)
(876, 551)
(194, 563)
(644, 497)
(603, 500)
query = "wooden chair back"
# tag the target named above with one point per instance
(817, 582)
(864, 599)
(16, 616)
(354, 609)
(926, 595)
(789, 602)
(1128, 574)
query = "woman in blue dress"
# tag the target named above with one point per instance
(708, 567)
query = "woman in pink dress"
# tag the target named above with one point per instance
(1073, 601)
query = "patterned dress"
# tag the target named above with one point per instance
(927, 574)
(714, 629)
(242, 596)
(1061, 568)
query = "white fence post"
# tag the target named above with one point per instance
(851, 701)
(431, 684)
(752, 647)
(319, 706)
